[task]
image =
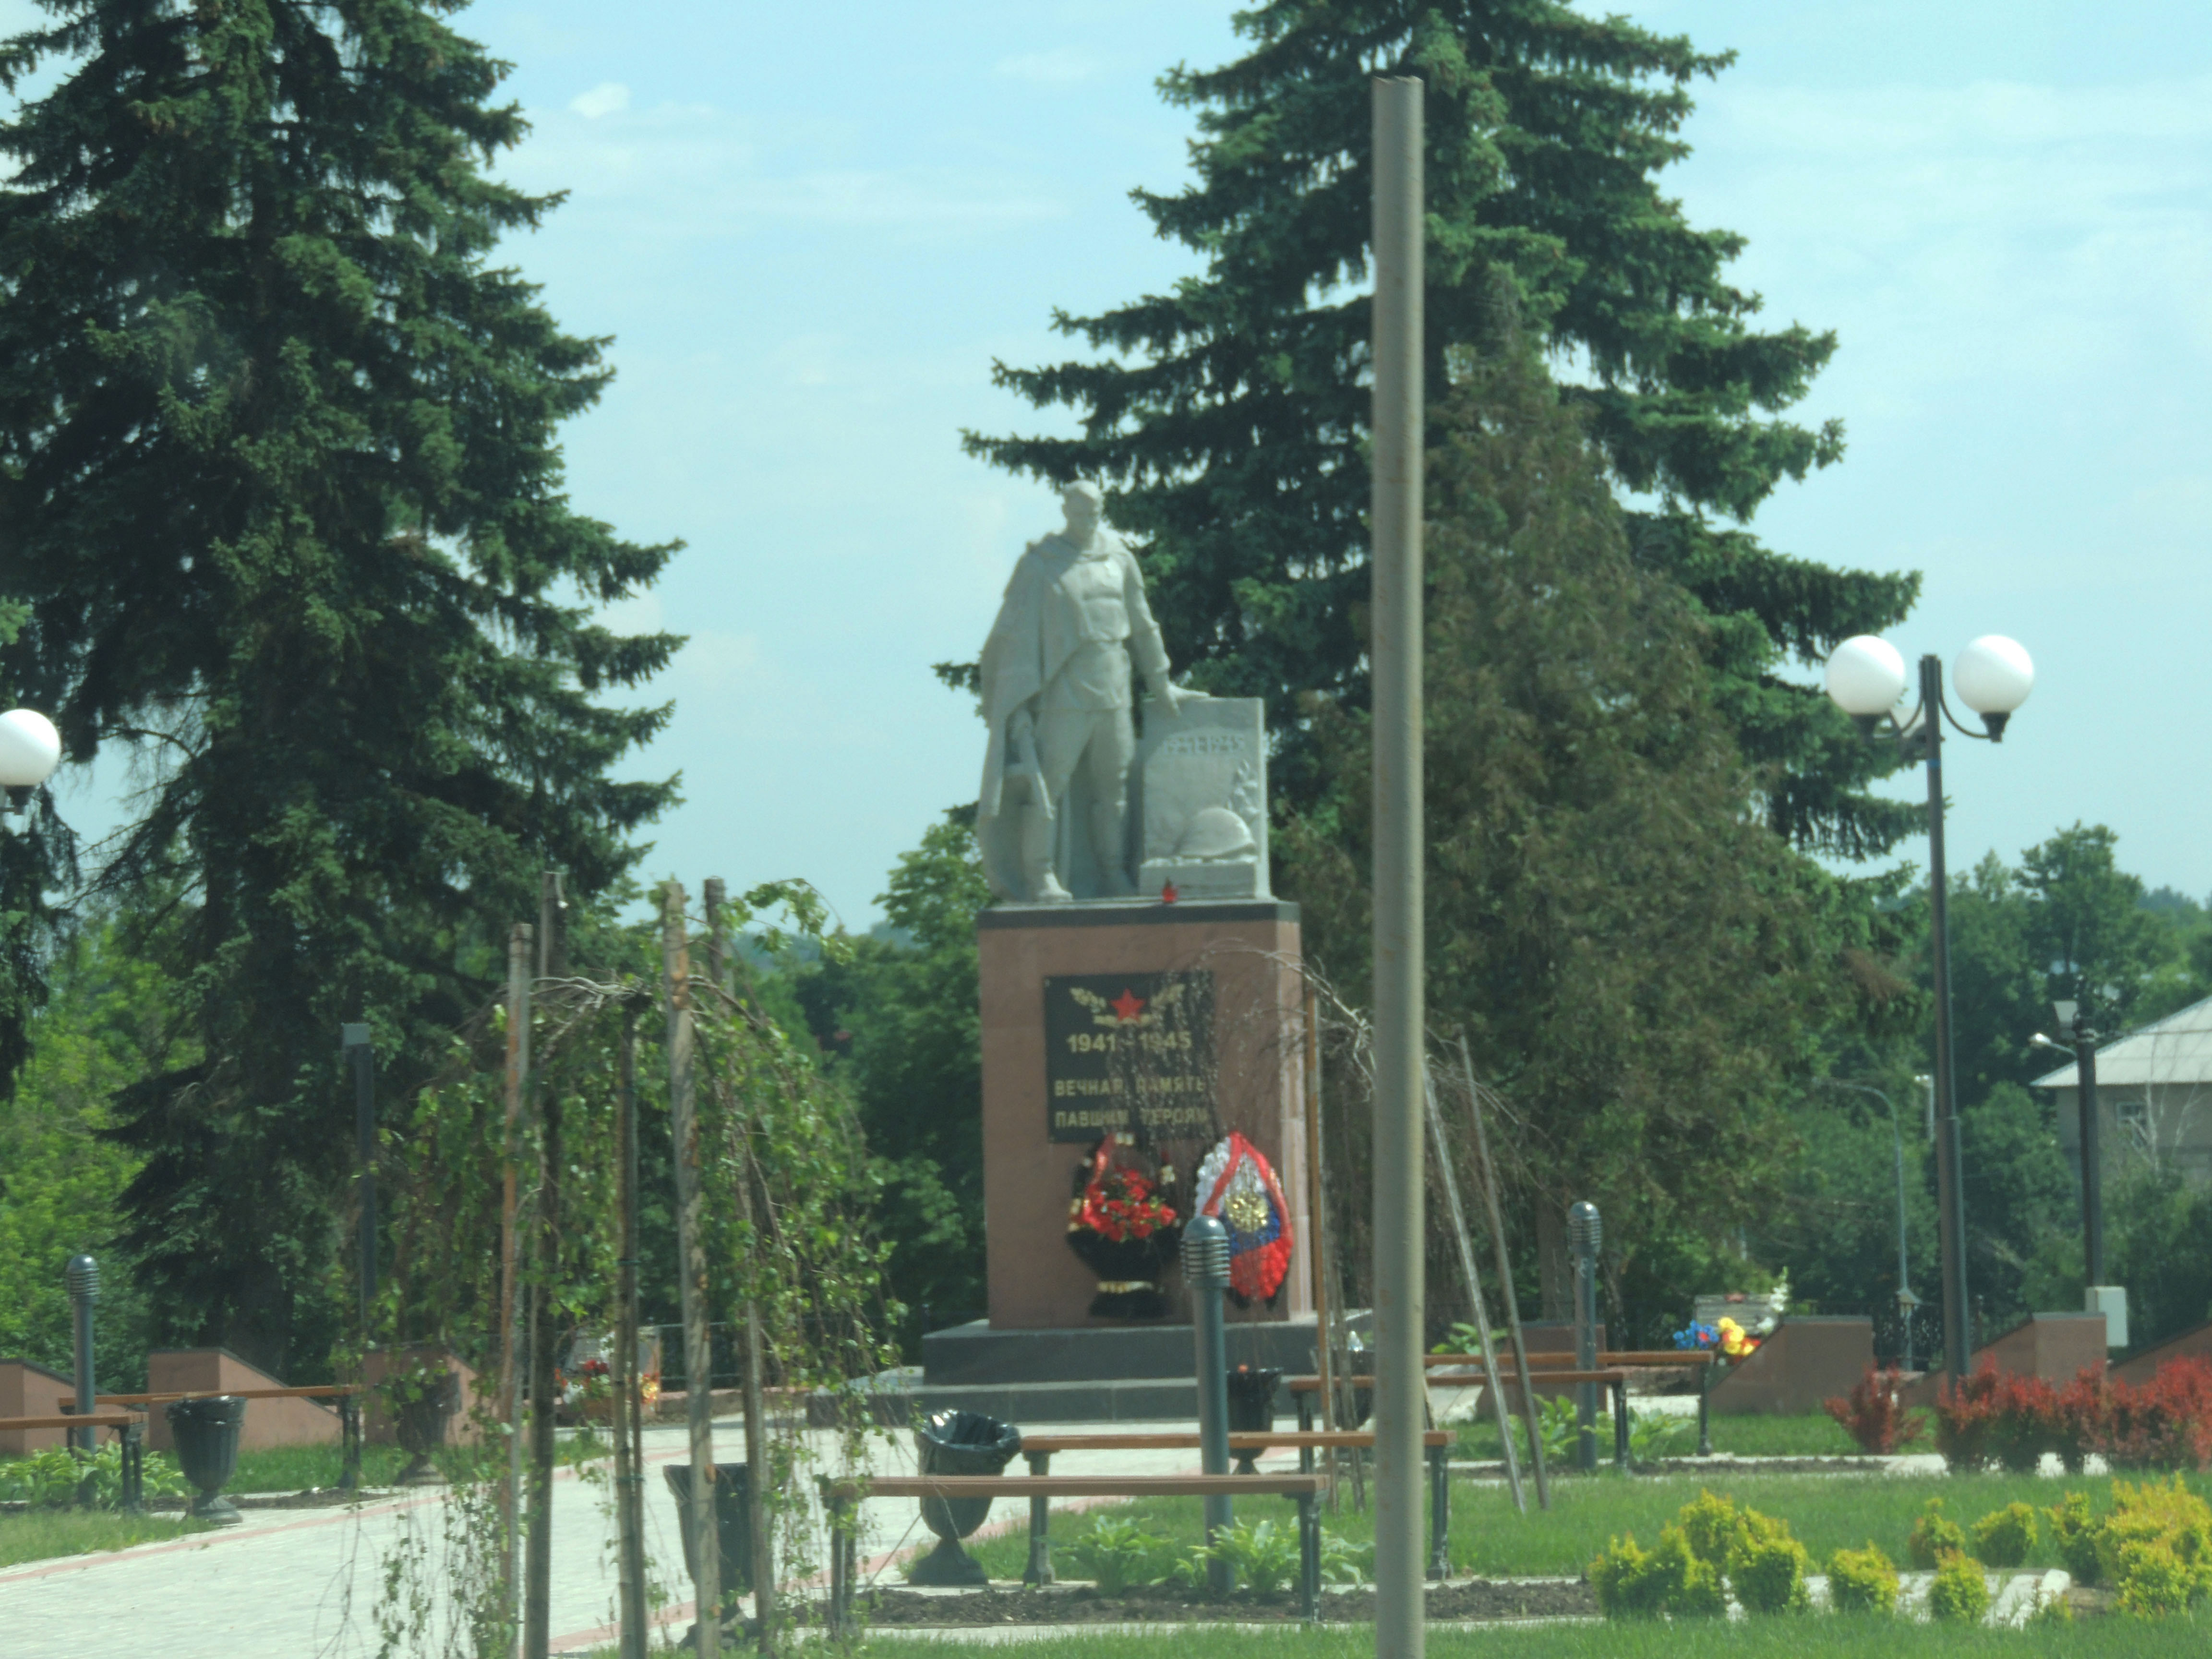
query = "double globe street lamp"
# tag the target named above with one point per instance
(30, 748)
(1993, 676)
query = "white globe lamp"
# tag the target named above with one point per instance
(1866, 677)
(30, 748)
(1994, 676)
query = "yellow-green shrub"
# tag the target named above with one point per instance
(1958, 1596)
(1932, 1537)
(1767, 1571)
(2154, 1548)
(1862, 1581)
(1712, 1526)
(1632, 1582)
(2073, 1529)
(2003, 1537)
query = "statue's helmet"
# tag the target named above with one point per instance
(1215, 832)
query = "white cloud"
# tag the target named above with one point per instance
(608, 97)
(1062, 64)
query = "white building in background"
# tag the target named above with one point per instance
(2154, 1096)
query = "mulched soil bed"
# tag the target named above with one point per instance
(1476, 1599)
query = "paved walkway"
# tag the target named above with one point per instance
(304, 1583)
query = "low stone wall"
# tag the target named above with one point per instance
(30, 1389)
(1807, 1360)
(269, 1423)
(2054, 1346)
(2189, 1345)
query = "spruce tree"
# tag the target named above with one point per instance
(1232, 412)
(279, 480)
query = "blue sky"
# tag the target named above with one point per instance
(811, 229)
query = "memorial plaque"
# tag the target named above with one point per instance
(1132, 1053)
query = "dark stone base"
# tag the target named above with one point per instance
(975, 1353)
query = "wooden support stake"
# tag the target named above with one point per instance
(1487, 1348)
(691, 1252)
(1489, 1173)
(510, 1374)
(544, 1314)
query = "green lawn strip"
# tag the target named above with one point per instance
(1765, 1638)
(41, 1534)
(1813, 1434)
(297, 1469)
(1825, 1511)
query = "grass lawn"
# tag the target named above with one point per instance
(1767, 1638)
(39, 1534)
(1488, 1538)
(295, 1468)
(1812, 1435)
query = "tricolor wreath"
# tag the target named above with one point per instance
(1235, 1183)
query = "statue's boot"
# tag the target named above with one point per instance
(1108, 836)
(1037, 860)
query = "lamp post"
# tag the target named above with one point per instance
(2109, 1300)
(30, 748)
(1905, 1300)
(1994, 675)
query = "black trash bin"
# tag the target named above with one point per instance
(959, 1442)
(1252, 1407)
(206, 1434)
(734, 1523)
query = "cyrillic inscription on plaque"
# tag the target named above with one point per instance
(1132, 1053)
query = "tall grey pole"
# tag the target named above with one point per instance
(2093, 1173)
(691, 1255)
(361, 1057)
(1400, 1012)
(81, 1275)
(1950, 1199)
(1205, 1275)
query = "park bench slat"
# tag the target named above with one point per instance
(1256, 1440)
(71, 1420)
(1640, 1357)
(1081, 1486)
(315, 1391)
(1312, 1384)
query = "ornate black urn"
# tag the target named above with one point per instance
(959, 1442)
(1251, 1406)
(733, 1527)
(206, 1434)
(423, 1404)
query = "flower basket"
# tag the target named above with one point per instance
(1121, 1228)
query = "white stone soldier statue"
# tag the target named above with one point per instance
(1053, 816)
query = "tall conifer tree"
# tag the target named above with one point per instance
(278, 476)
(1232, 412)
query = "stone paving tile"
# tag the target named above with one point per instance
(302, 1583)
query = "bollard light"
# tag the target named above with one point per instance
(1586, 1232)
(1206, 1273)
(81, 1275)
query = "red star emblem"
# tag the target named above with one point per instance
(1127, 1005)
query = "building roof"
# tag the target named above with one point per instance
(2175, 1049)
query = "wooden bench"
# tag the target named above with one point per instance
(1304, 1389)
(840, 1497)
(1038, 1449)
(1698, 1360)
(129, 1428)
(317, 1391)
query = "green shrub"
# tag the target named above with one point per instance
(2154, 1548)
(1767, 1574)
(2074, 1530)
(1959, 1595)
(1933, 1537)
(53, 1478)
(1630, 1583)
(1118, 1554)
(1862, 1581)
(2003, 1537)
(1712, 1527)
(1262, 1558)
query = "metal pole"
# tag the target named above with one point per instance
(1586, 1231)
(510, 1372)
(691, 1251)
(1395, 648)
(754, 1377)
(2092, 1173)
(1529, 1409)
(1950, 1198)
(361, 1056)
(545, 1320)
(81, 1275)
(1205, 1274)
(630, 1497)
(1315, 1224)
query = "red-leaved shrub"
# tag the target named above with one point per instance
(1993, 1415)
(1873, 1415)
(2163, 1424)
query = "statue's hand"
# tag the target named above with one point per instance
(1167, 693)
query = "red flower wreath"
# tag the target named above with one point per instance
(1120, 1203)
